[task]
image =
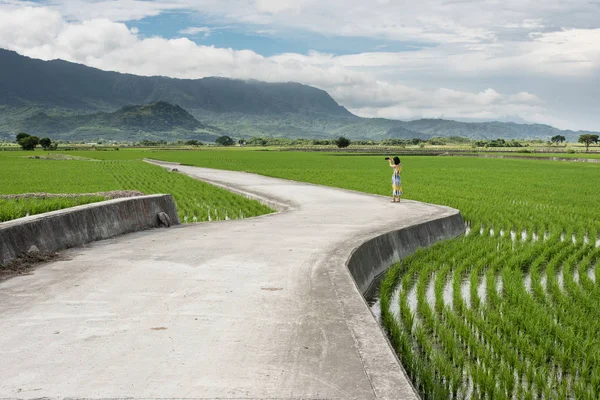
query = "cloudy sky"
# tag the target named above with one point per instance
(516, 60)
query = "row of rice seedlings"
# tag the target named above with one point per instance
(546, 334)
(479, 372)
(546, 302)
(531, 378)
(436, 358)
(196, 201)
(459, 349)
(415, 354)
(490, 324)
(572, 310)
(586, 269)
(488, 354)
(22, 207)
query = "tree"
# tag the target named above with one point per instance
(256, 141)
(28, 142)
(21, 135)
(588, 139)
(194, 142)
(342, 142)
(225, 141)
(558, 139)
(439, 141)
(46, 143)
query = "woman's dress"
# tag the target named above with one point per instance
(396, 181)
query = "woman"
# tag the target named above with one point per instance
(396, 181)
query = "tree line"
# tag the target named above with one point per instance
(30, 142)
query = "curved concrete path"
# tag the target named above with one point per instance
(262, 308)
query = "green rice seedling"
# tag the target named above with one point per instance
(22, 207)
(192, 197)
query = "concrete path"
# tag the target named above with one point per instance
(262, 308)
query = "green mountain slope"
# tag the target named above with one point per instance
(73, 101)
(150, 121)
(25, 82)
(486, 130)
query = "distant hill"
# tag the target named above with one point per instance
(401, 132)
(150, 121)
(73, 101)
(485, 130)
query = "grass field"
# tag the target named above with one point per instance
(509, 311)
(196, 201)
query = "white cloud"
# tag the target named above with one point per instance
(193, 30)
(439, 21)
(529, 23)
(279, 6)
(472, 49)
(29, 28)
(203, 31)
(114, 10)
(266, 32)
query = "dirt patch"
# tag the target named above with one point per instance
(60, 157)
(25, 264)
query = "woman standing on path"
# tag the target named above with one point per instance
(396, 181)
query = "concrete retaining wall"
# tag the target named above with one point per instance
(62, 229)
(371, 259)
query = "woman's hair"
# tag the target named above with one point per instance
(396, 160)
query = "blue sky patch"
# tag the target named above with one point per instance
(266, 41)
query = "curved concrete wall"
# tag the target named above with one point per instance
(370, 260)
(62, 229)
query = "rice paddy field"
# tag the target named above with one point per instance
(508, 311)
(196, 201)
(579, 155)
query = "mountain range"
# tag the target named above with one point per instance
(70, 101)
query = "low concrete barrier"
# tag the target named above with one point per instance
(370, 260)
(62, 229)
